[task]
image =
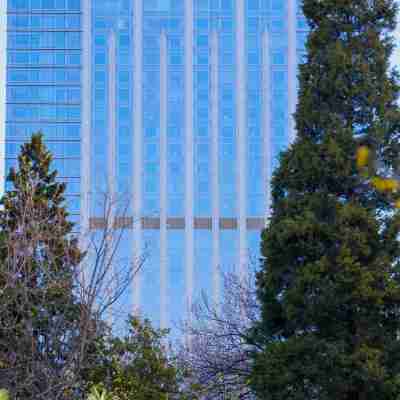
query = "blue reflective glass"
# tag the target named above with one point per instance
(44, 79)
(73, 5)
(226, 5)
(47, 106)
(227, 25)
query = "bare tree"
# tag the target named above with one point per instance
(50, 320)
(216, 348)
(104, 274)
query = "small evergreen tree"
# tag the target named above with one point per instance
(137, 366)
(39, 255)
(329, 284)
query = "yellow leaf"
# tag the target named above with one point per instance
(4, 394)
(362, 156)
(385, 185)
(391, 185)
(378, 183)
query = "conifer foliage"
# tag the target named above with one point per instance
(329, 285)
(38, 258)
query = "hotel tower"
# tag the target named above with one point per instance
(179, 106)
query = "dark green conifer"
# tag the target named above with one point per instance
(329, 283)
(38, 261)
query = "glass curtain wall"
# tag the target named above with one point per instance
(192, 99)
(273, 31)
(43, 84)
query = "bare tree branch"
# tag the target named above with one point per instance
(217, 353)
(48, 359)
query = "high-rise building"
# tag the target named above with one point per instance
(179, 106)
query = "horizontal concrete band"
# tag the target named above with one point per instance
(177, 223)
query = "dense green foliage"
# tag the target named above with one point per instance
(136, 366)
(329, 284)
(38, 256)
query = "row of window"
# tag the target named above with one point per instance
(205, 5)
(44, 58)
(225, 59)
(44, 40)
(278, 57)
(226, 42)
(224, 24)
(175, 151)
(174, 133)
(44, 75)
(201, 121)
(202, 85)
(176, 243)
(43, 94)
(202, 205)
(61, 5)
(201, 126)
(202, 187)
(58, 149)
(43, 113)
(251, 5)
(253, 24)
(255, 202)
(202, 40)
(34, 22)
(170, 24)
(50, 131)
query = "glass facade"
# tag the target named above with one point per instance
(43, 88)
(190, 107)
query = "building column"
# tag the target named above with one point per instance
(137, 112)
(266, 120)
(163, 183)
(3, 92)
(292, 68)
(215, 164)
(189, 151)
(241, 122)
(110, 200)
(86, 123)
(112, 121)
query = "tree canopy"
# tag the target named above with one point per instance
(329, 283)
(38, 309)
(137, 366)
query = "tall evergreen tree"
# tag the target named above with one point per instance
(329, 285)
(38, 258)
